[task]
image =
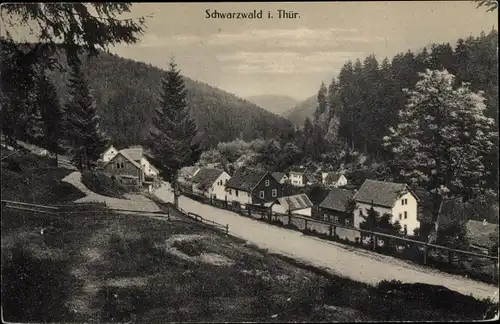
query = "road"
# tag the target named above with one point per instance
(357, 264)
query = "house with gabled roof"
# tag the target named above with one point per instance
(281, 177)
(136, 154)
(297, 204)
(301, 176)
(333, 179)
(211, 183)
(395, 199)
(252, 186)
(335, 207)
(125, 169)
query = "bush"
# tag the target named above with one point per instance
(191, 248)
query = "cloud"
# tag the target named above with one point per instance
(299, 37)
(153, 40)
(284, 62)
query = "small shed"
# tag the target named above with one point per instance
(297, 204)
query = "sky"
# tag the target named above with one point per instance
(293, 56)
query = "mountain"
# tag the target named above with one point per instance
(277, 104)
(126, 94)
(298, 114)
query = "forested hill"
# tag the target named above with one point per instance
(127, 92)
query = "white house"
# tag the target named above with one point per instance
(387, 198)
(280, 177)
(109, 153)
(333, 179)
(297, 204)
(211, 183)
(300, 177)
(149, 169)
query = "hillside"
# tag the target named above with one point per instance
(302, 110)
(126, 95)
(277, 104)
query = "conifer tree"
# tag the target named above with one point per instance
(172, 141)
(82, 120)
(47, 101)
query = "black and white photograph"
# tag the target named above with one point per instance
(249, 162)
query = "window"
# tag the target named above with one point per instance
(336, 219)
(325, 217)
(236, 193)
(261, 194)
(117, 165)
(230, 192)
(225, 181)
(404, 201)
(275, 193)
(400, 216)
(347, 222)
(406, 215)
(267, 183)
(405, 229)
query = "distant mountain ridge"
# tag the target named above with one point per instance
(298, 114)
(127, 92)
(277, 104)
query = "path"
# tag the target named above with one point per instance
(357, 264)
(133, 202)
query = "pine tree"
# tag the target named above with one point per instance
(47, 101)
(442, 138)
(82, 120)
(172, 140)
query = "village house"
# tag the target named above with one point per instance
(395, 199)
(280, 177)
(251, 186)
(333, 179)
(124, 169)
(300, 177)
(297, 204)
(335, 207)
(210, 183)
(150, 172)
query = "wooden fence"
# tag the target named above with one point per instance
(475, 265)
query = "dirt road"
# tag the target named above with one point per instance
(346, 261)
(133, 201)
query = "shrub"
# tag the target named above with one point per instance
(191, 248)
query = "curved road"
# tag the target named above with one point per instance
(345, 261)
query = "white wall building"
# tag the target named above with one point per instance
(109, 153)
(333, 179)
(210, 183)
(387, 197)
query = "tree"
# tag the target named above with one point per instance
(82, 121)
(75, 27)
(491, 5)
(171, 141)
(51, 114)
(442, 138)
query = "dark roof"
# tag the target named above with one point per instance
(126, 156)
(296, 202)
(298, 169)
(380, 193)
(332, 177)
(310, 177)
(479, 232)
(246, 179)
(278, 175)
(337, 199)
(135, 153)
(206, 177)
